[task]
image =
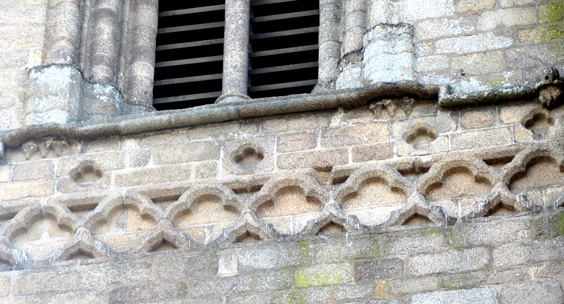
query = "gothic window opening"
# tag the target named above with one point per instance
(284, 47)
(189, 56)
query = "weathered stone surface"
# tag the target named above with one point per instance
(12, 191)
(473, 6)
(497, 232)
(508, 3)
(443, 27)
(5, 173)
(297, 141)
(46, 281)
(371, 152)
(79, 298)
(473, 47)
(468, 296)
(549, 292)
(24, 300)
(477, 119)
(205, 170)
(270, 281)
(101, 145)
(542, 33)
(224, 286)
(323, 275)
(550, 225)
(413, 285)
(354, 135)
(473, 43)
(478, 139)
(198, 151)
(485, 277)
(530, 56)
(432, 63)
(273, 256)
(339, 250)
(295, 123)
(106, 161)
(417, 10)
(514, 254)
(155, 291)
(433, 240)
(379, 269)
(449, 261)
(551, 12)
(482, 63)
(33, 170)
(161, 139)
(313, 159)
(155, 175)
(509, 17)
(5, 285)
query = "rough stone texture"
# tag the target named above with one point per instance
(477, 139)
(478, 119)
(297, 142)
(199, 151)
(393, 198)
(534, 292)
(473, 43)
(470, 296)
(312, 159)
(457, 261)
(389, 54)
(379, 269)
(481, 63)
(345, 136)
(371, 152)
(528, 252)
(331, 274)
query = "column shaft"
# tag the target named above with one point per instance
(236, 49)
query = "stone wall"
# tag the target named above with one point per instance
(427, 166)
(397, 200)
(76, 62)
(470, 45)
(22, 28)
(507, 261)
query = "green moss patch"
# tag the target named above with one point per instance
(551, 12)
(322, 275)
(558, 223)
(543, 33)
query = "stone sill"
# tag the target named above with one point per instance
(262, 107)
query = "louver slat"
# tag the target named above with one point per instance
(284, 47)
(189, 57)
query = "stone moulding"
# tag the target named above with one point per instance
(262, 107)
(83, 242)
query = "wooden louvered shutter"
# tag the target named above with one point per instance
(189, 58)
(284, 47)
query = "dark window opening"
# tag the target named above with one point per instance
(189, 57)
(284, 47)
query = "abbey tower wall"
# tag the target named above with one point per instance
(425, 167)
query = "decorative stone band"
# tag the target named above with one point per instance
(374, 198)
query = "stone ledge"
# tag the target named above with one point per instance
(262, 107)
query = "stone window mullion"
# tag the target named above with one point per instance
(236, 50)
